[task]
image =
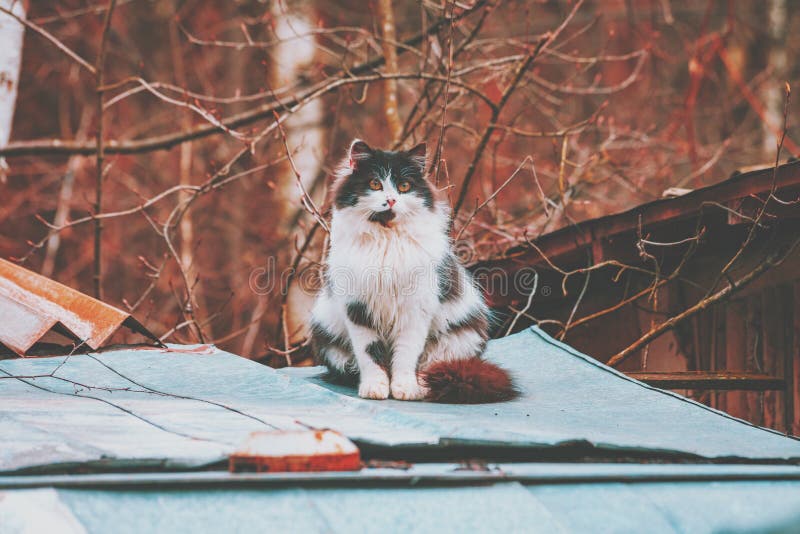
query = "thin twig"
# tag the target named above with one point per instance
(704, 303)
(520, 71)
(492, 196)
(47, 35)
(99, 70)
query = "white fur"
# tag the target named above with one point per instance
(393, 271)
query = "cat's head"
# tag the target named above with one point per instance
(385, 187)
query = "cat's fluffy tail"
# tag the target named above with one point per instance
(469, 381)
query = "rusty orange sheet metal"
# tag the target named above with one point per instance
(31, 305)
(295, 450)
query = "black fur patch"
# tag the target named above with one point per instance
(382, 217)
(347, 195)
(323, 337)
(476, 320)
(402, 166)
(380, 352)
(358, 313)
(348, 377)
(322, 340)
(449, 279)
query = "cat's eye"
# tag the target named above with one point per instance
(404, 187)
(375, 185)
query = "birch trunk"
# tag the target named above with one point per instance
(772, 94)
(305, 138)
(11, 33)
(390, 104)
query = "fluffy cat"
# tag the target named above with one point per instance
(397, 310)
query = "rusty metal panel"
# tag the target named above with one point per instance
(31, 305)
(20, 325)
(295, 450)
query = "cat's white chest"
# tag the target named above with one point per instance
(374, 262)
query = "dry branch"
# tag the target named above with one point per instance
(516, 78)
(99, 70)
(770, 262)
(167, 141)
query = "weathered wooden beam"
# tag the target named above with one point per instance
(657, 213)
(711, 380)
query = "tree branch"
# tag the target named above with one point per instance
(52, 147)
(518, 74)
(99, 69)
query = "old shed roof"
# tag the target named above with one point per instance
(725, 195)
(139, 412)
(186, 407)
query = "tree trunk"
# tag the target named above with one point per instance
(11, 33)
(772, 94)
(386, 14)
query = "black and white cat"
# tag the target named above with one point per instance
(397, 309)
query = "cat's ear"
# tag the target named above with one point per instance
(419, 154)
(359, 151)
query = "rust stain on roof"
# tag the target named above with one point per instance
(296, 450)
(32, 305)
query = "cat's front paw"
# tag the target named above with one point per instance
(374, 387)
(406, 387)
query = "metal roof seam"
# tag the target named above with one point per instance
(525, 472)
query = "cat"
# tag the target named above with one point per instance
(397, 310)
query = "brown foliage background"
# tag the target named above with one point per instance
(591, 107)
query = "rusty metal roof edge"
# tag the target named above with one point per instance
(80, 317)
(45, 323)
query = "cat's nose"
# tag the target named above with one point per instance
(391, 202)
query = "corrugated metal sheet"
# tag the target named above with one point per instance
(31, 305)
(216, 399)
(190, 406)
(570, 398)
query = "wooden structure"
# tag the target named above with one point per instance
(626, 274)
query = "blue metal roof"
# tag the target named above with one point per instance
(187, 407)
(568, 398)
(505, 506)
(137, 411)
